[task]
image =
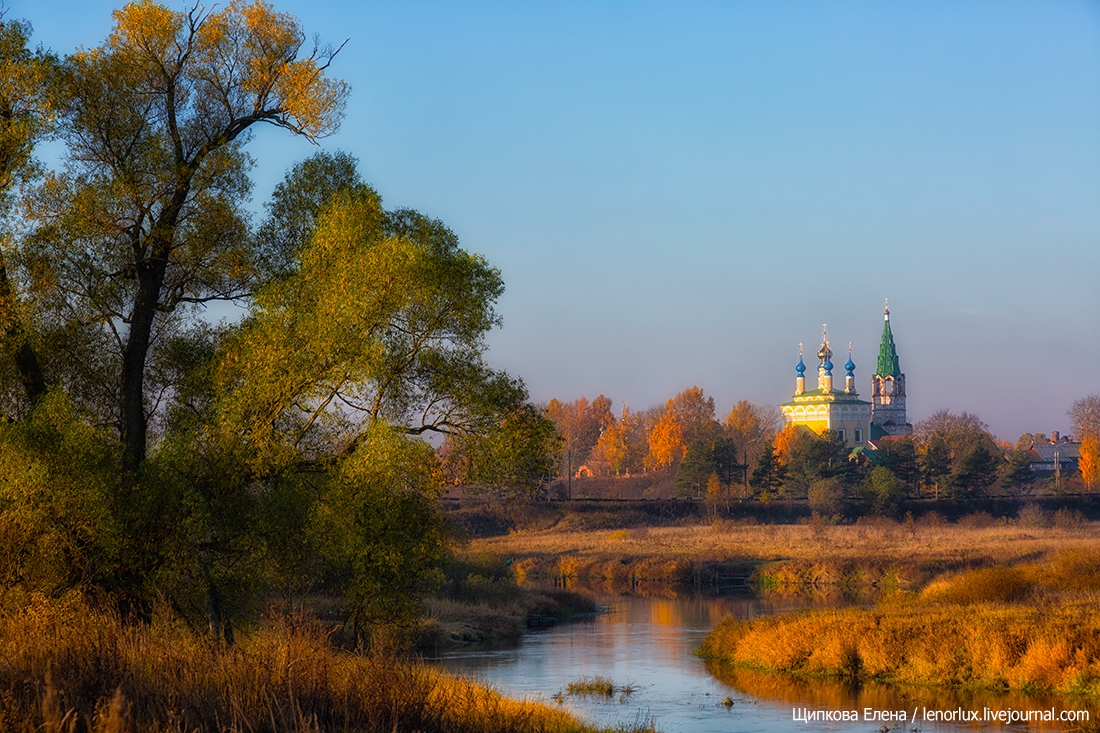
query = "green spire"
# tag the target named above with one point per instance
(887, 354)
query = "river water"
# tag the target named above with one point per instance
(648, 643)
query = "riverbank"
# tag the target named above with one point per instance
(875, 553)
(479, 600)
(1032, 627)
(72, 667)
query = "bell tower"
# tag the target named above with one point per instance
(888, 388)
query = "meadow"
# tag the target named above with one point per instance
(688, 548)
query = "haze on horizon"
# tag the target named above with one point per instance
(679, 195)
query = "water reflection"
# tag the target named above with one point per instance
(648, 640)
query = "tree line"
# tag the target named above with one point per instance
(751, 454)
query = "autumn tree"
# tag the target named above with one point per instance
(580, 424)
(144, 221)
(25, 118)
(1089, 461)
(623, 445)
(687, 417)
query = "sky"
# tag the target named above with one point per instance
(678, 194)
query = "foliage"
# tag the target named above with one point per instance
(145, 221)
(975, 471)
(271, 453)
(517, 456)
(623, 445)
(378, 525)
(26, 115)
(812, 458)
(59, 521)
(769, 474)
(748, 425)
(696, 469)
(882, 492)
(957, 454)
(1016, 472)
(580, 424)
(826, 496)
(1089, 461)
(900, 457)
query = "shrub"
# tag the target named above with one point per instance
(826, 496)
(1032, 515)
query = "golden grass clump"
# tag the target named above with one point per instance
(71, 667)
(998, 627)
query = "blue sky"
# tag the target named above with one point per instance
(678, 194)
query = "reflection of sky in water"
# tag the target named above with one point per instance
(650, 643)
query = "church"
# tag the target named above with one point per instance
(856, 422)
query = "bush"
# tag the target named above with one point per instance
(882, 491)
(1032, 515)
(826, 497)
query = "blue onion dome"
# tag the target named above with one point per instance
(850, 366)
(801, 368)
(828, 365)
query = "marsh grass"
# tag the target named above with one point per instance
(70, 667)
(1029, 628)
(599, 685)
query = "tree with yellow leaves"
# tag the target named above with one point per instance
(1088, 461)
(144, 221)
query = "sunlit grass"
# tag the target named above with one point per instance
(68, 667)
(1029, 628)
(598, 685)
(876, 552)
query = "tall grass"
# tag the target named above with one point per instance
(1028, 628)
(69, 667)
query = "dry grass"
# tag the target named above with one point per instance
(1033, 627)
(905, 553)
(69, 668)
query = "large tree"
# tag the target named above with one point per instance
(144, 220)
(25, 118)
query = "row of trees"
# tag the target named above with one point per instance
(660, 439)
(148, 453)
(748, 456)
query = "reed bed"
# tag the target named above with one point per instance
(1031, 628)
(69, 667)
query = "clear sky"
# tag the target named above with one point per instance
(678, 194)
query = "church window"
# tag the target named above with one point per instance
(840, 434)
(859, 435)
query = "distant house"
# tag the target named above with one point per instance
(1059, 454)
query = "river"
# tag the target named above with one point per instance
(648, 644)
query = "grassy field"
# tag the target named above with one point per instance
(907, 553)
(68, 667)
